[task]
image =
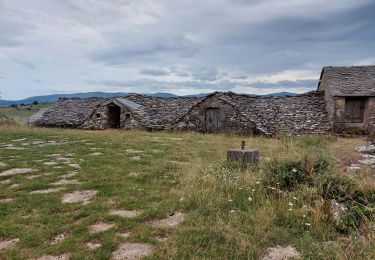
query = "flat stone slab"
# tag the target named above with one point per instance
(7, 244)
(46, 191)
(50, 163)
(96, 154)
(79, 196)
(65, 182)
(57, 239)
(55, 257)
(74, 165)
(5, 200)
(281, 253)
(101, 227)
(3, 164)
(126, 213)
(171, 221)
(93, 245)
(16, 171)
(132, 251)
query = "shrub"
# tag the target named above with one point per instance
(291, 173)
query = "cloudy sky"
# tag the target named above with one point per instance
(182, 47)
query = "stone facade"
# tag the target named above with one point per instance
(340, 85)
(230, 118)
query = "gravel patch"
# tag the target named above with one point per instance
(132, 251)
(79, 196)
(69, 175)
(16, 171)
(135, 158)
(171, 221)
(126, 213)
(125, 234)
(133, 174)
(101, 227)
(6, 244)
(281, 253)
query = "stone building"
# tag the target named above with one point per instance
(244, 114)
(349, 97)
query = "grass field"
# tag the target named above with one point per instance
(227, 212)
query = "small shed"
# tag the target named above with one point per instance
(350, 97)
(117, 112)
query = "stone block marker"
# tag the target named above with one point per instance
(243, 156)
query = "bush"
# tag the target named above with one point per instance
(291, 173)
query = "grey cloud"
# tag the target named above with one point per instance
(205, 73)
(153, 72)
(23, 63)
(312, 84)
(144, 48)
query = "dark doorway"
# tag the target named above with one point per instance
(212, 120)
(354, 109)
(114, 113)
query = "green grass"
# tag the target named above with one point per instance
(177, 172)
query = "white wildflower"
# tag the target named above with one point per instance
(250, 199)
(295, 198)
(304, 216)
(307, 224)
(290, 204)
(182, 199)
(258, 182)
(290, 209)
(232, 211)
(230, 200)
(294, 170)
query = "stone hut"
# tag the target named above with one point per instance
(70, 113)
(349, 97)
(244, 114)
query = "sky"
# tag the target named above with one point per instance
(181, 47)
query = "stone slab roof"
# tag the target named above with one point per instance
(349, 81)
(68, 112)
(161, 112)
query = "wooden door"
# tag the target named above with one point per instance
(354, 109)
(212, 120)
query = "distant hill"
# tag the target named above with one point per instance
(55, 97)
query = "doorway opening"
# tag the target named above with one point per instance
(114, 116)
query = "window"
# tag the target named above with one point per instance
(354, 109)
(127, 116)
(98, 115)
